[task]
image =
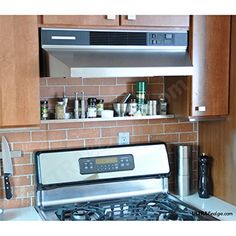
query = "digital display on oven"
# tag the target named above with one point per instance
(107, 160)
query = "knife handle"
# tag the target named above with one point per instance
(7, 186)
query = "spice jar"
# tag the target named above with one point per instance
(60, 110)
(92, 109)
(162, 105)
(44, 110)
(100, 107)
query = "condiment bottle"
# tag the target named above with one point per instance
(92, 110)
(140, 93)
(60, 110)
(44, 109)
(162, 106)
(76, 109)
(100, 107)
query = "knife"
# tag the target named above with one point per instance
(7, 167)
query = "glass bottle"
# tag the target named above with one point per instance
(44, 110)
(100, 107)
(92, 109)
(60, 110)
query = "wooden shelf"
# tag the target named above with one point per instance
(109, 119)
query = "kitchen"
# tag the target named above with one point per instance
(187, 122)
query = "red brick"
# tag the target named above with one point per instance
(107, 132)
(30, 147)
(48, 135)
(166, 120)
(131, 122)
(67, 144)
(16, 136)
(51, 91)
(15, 203)
(24, 191)
(26, 159)
(115, 90)
(130, 80)
(88, 90)
(157, 79)
(99, 81)
(138, 139)
(100, 142)
(180, 127)
(72, 125)
(99, 124)
(64, 81)
(147, 129)
(83, 133)
(188, 137)
(155, 89)
(24, 170)
(20, 180)
(164, 138)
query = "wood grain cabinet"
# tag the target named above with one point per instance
(155, 20)
(19, 71)
(81, 20)
(210, 56)
(166, 21)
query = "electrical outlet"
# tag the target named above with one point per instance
(123, 138)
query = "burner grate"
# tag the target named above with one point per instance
(143, 208)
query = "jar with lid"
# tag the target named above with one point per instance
(162, 106)
(60, 110)
(140, 92)
(44, 110)
(100, 107)
(92, 109)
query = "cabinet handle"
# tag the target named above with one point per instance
(131, 17)
(200, 108)
(111, 17)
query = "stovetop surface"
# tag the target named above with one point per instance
(153, 207)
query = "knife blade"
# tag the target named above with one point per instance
(7, 167)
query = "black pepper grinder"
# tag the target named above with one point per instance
(204, 181)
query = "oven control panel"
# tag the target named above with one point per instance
(105, 164)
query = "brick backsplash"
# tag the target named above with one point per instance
(87, 134)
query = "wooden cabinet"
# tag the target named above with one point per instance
(82, 20)
(154, 20)
(19, 71)
(210, 57)
(166, 21)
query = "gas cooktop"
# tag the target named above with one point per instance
(108, 184)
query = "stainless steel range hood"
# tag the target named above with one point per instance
(92, 54)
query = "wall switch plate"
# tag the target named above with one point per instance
(123, 138)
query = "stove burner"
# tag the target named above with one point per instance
(86, 214)
(162, 207)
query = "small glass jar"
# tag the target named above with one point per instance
(44, 110)
(100, 107)
(60, 110)
(162, 105)
(92, 109)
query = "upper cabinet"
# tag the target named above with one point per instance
(82, 20)
(19, 71)
(155, 21)
(210, 49)
(117, 21)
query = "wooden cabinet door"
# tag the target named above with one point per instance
(82, 20)
(210, 56)
(155, 21)
(19, 71)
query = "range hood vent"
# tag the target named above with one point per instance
(113, 53)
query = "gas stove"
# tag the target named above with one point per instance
(123, 183)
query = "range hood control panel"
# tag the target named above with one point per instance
(76, 37)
